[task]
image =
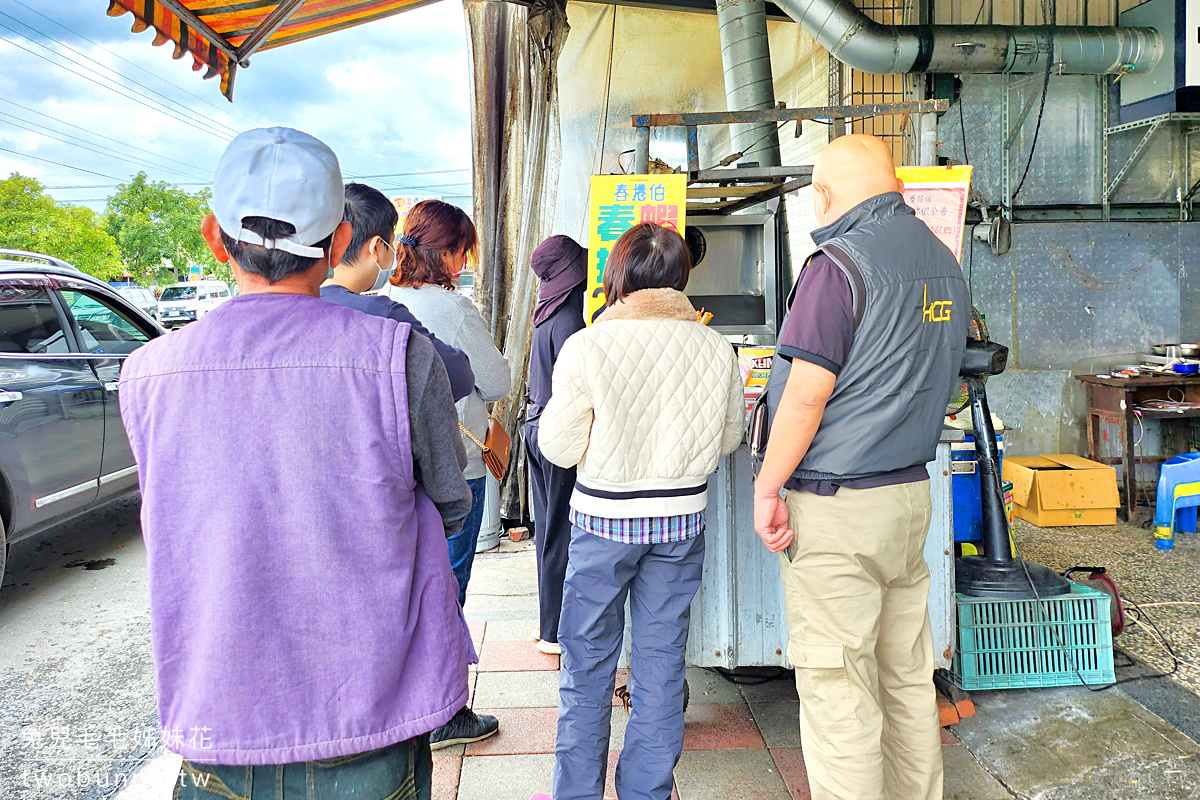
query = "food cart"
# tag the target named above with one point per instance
(738, 617)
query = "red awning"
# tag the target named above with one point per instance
(220, 35)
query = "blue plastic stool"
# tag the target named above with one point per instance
(1178, 498)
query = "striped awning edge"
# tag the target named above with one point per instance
(168, 27)
(220, 35)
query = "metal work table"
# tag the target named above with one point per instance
(738, 618)
(1114, 400)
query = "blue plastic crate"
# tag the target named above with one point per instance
(1011, 644)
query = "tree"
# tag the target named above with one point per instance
(30, 219)
(154, 223)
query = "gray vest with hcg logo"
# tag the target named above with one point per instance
(911, 311)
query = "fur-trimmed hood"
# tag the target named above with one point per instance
(651, 304)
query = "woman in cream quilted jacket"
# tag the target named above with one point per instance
(644, 403)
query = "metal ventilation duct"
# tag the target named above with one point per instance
(868, 46)
(749, 86)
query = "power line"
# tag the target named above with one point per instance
(352, 177)
(58, 163)
(73, 142)
(114, 185)
(136, 98)
(175, 87)
(90, 64)
(411, 174)
(98, 135)
(133, 64)
(428, 186)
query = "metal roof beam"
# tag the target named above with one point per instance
(267, 28)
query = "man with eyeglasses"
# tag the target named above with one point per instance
(369, 261)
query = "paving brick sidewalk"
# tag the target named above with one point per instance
(740, 741)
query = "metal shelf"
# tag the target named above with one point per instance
(724, 190)
(1152, 125)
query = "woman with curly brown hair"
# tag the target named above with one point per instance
(437, 242)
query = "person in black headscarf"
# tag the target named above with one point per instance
(561, 265)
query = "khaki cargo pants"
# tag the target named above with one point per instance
(856, 589)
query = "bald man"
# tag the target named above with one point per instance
(865, 361)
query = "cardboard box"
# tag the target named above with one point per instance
(1062, 490)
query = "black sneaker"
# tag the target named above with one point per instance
(465, 727)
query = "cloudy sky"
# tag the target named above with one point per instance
(390, 97)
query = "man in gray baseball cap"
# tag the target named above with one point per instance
(306, 630)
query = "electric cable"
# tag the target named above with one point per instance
(425, 186)
(226, 111)
(620, 165)
(92, 133)
(978, 14)
(112, 185)
(962, 126)
(91, 65)
(131, 96)
(1045, 619)
(130, 63)
(83, 146)
(348, 175)
(1036, 130)
(413, 174)
(734, 156)
(58, 163)
(971, 267)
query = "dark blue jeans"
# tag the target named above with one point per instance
(462, 544)
(403, 771)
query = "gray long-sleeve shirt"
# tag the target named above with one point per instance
(432, 420)
(453, 319)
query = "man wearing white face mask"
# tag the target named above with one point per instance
(369, 261)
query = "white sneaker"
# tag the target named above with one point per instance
(537, 634)
(549, 648)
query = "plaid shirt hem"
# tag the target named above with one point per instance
(642, 530)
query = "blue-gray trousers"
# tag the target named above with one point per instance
(660, 581)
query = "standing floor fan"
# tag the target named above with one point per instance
(995, 573)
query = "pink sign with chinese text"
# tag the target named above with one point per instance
(939, 196)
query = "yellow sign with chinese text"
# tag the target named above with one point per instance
(618, 203)
(939, 196)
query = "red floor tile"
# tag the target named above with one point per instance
(446, 772)
(610, 788)
(720, 727)
(790, 763)
(948, 737)
(477, 631)
(523, 731)
(515, 657)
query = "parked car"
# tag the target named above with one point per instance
(63, 338)
(140, 296)
(181, 303)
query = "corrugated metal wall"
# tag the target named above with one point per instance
(860, 88)
(1028, 12)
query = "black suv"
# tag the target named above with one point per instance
(63, 338)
